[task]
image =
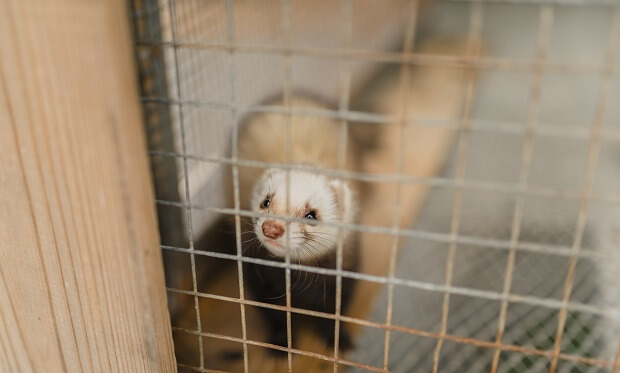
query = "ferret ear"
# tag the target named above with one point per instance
(343, 196)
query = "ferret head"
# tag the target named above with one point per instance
(314, 198)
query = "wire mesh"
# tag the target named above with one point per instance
(513, 263)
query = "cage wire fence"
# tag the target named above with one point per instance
(513, 263)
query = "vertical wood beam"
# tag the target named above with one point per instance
(81, 278)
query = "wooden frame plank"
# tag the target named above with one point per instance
(81, 278)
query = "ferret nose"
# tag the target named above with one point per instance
(273, 229)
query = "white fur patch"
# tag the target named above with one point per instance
(308, 191)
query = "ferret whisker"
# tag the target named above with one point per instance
(296, 273)
(310, 239)
(325, 233)
(297, 279)
(303, 287)
(249, 224)
(306, 272)
(304, 236)
(311, 250)
(248, 248)
(304, 283)
(318, 276)
(326, 242)
(250, 240)
(275, 297)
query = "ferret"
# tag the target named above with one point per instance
(313, 198)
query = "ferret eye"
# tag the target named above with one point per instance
(311, 215)
(265, 203)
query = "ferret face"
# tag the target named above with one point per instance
(314, 198)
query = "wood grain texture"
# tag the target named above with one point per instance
(81, 279)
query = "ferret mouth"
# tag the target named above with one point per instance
(276, 248)
(275, 243)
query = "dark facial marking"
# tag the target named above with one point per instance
(266, 202)
(307, 212)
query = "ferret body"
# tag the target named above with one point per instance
(310, 198)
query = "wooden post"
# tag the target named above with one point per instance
(81, 278)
